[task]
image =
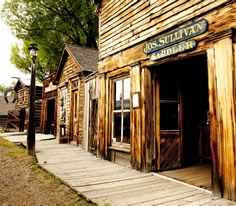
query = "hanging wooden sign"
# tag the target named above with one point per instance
(173, 50)
(181, 34)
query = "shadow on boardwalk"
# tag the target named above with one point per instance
(106, 183)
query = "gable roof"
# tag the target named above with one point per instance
(25, 82)
(4, 107)
(85, 57)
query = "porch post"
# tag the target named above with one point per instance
(101, 116)
(135, 118)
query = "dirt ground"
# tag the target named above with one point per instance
(22, 182)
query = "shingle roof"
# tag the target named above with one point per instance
(4, 107)
(86, 57)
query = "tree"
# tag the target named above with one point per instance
(4, 88)
(50, 24)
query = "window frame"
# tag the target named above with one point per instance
(173, 102)
(122, 111)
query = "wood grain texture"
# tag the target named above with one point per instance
(219, 19)
(135, 121)
(101, 115)
(104, 182)
(222, 117)
(148, 154)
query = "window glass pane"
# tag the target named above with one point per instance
(127, 93)
(126, 128)
(169, 116)
(117, 127)
(168, 88)
(118, 94)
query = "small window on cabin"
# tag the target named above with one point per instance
(121, 111)
(63, 105)
(75, 84)
(169, 103)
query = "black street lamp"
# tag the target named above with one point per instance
(31, 127)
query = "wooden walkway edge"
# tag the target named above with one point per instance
(106, 183)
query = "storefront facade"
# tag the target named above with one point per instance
(76, 62)
(167, 86)
(48, 122)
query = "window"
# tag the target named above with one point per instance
(121, 111)
(63, 105)
(169, 103)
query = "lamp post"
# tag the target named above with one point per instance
(31, 126)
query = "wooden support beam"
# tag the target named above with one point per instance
(101, 116)
(135, 120)
(222, 117)
(147, 121)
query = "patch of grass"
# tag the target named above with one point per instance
(48, 179)
(13, 150)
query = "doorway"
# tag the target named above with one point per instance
(75, 116)
(50, 127)
(22, 120)
(182, 123)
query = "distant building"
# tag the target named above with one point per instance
(20, 115)
(48, 123)
(4, 108)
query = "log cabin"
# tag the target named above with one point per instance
(76, 62)
(22, 89)
(48, 122)
(4, 108)
(167, 90)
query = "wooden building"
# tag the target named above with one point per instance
(48, 122)
(75, 64)
(22, 89)
(167, 90)
(90, 134)
(4, 108)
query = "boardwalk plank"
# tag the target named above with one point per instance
(105, 182)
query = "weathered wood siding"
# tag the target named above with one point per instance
(91, 94)
(221, 67)
(44, 105)
(71, 72)
(23, 94)
(22, 97)
(126, 25)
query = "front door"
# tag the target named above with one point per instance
(93, 123)
(75, 116)
(168, 120)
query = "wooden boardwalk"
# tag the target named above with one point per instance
(106, 183)
(198, 175)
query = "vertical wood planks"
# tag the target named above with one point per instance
(135, 122)
(101, 115)
(222, 117)
(147, 121)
